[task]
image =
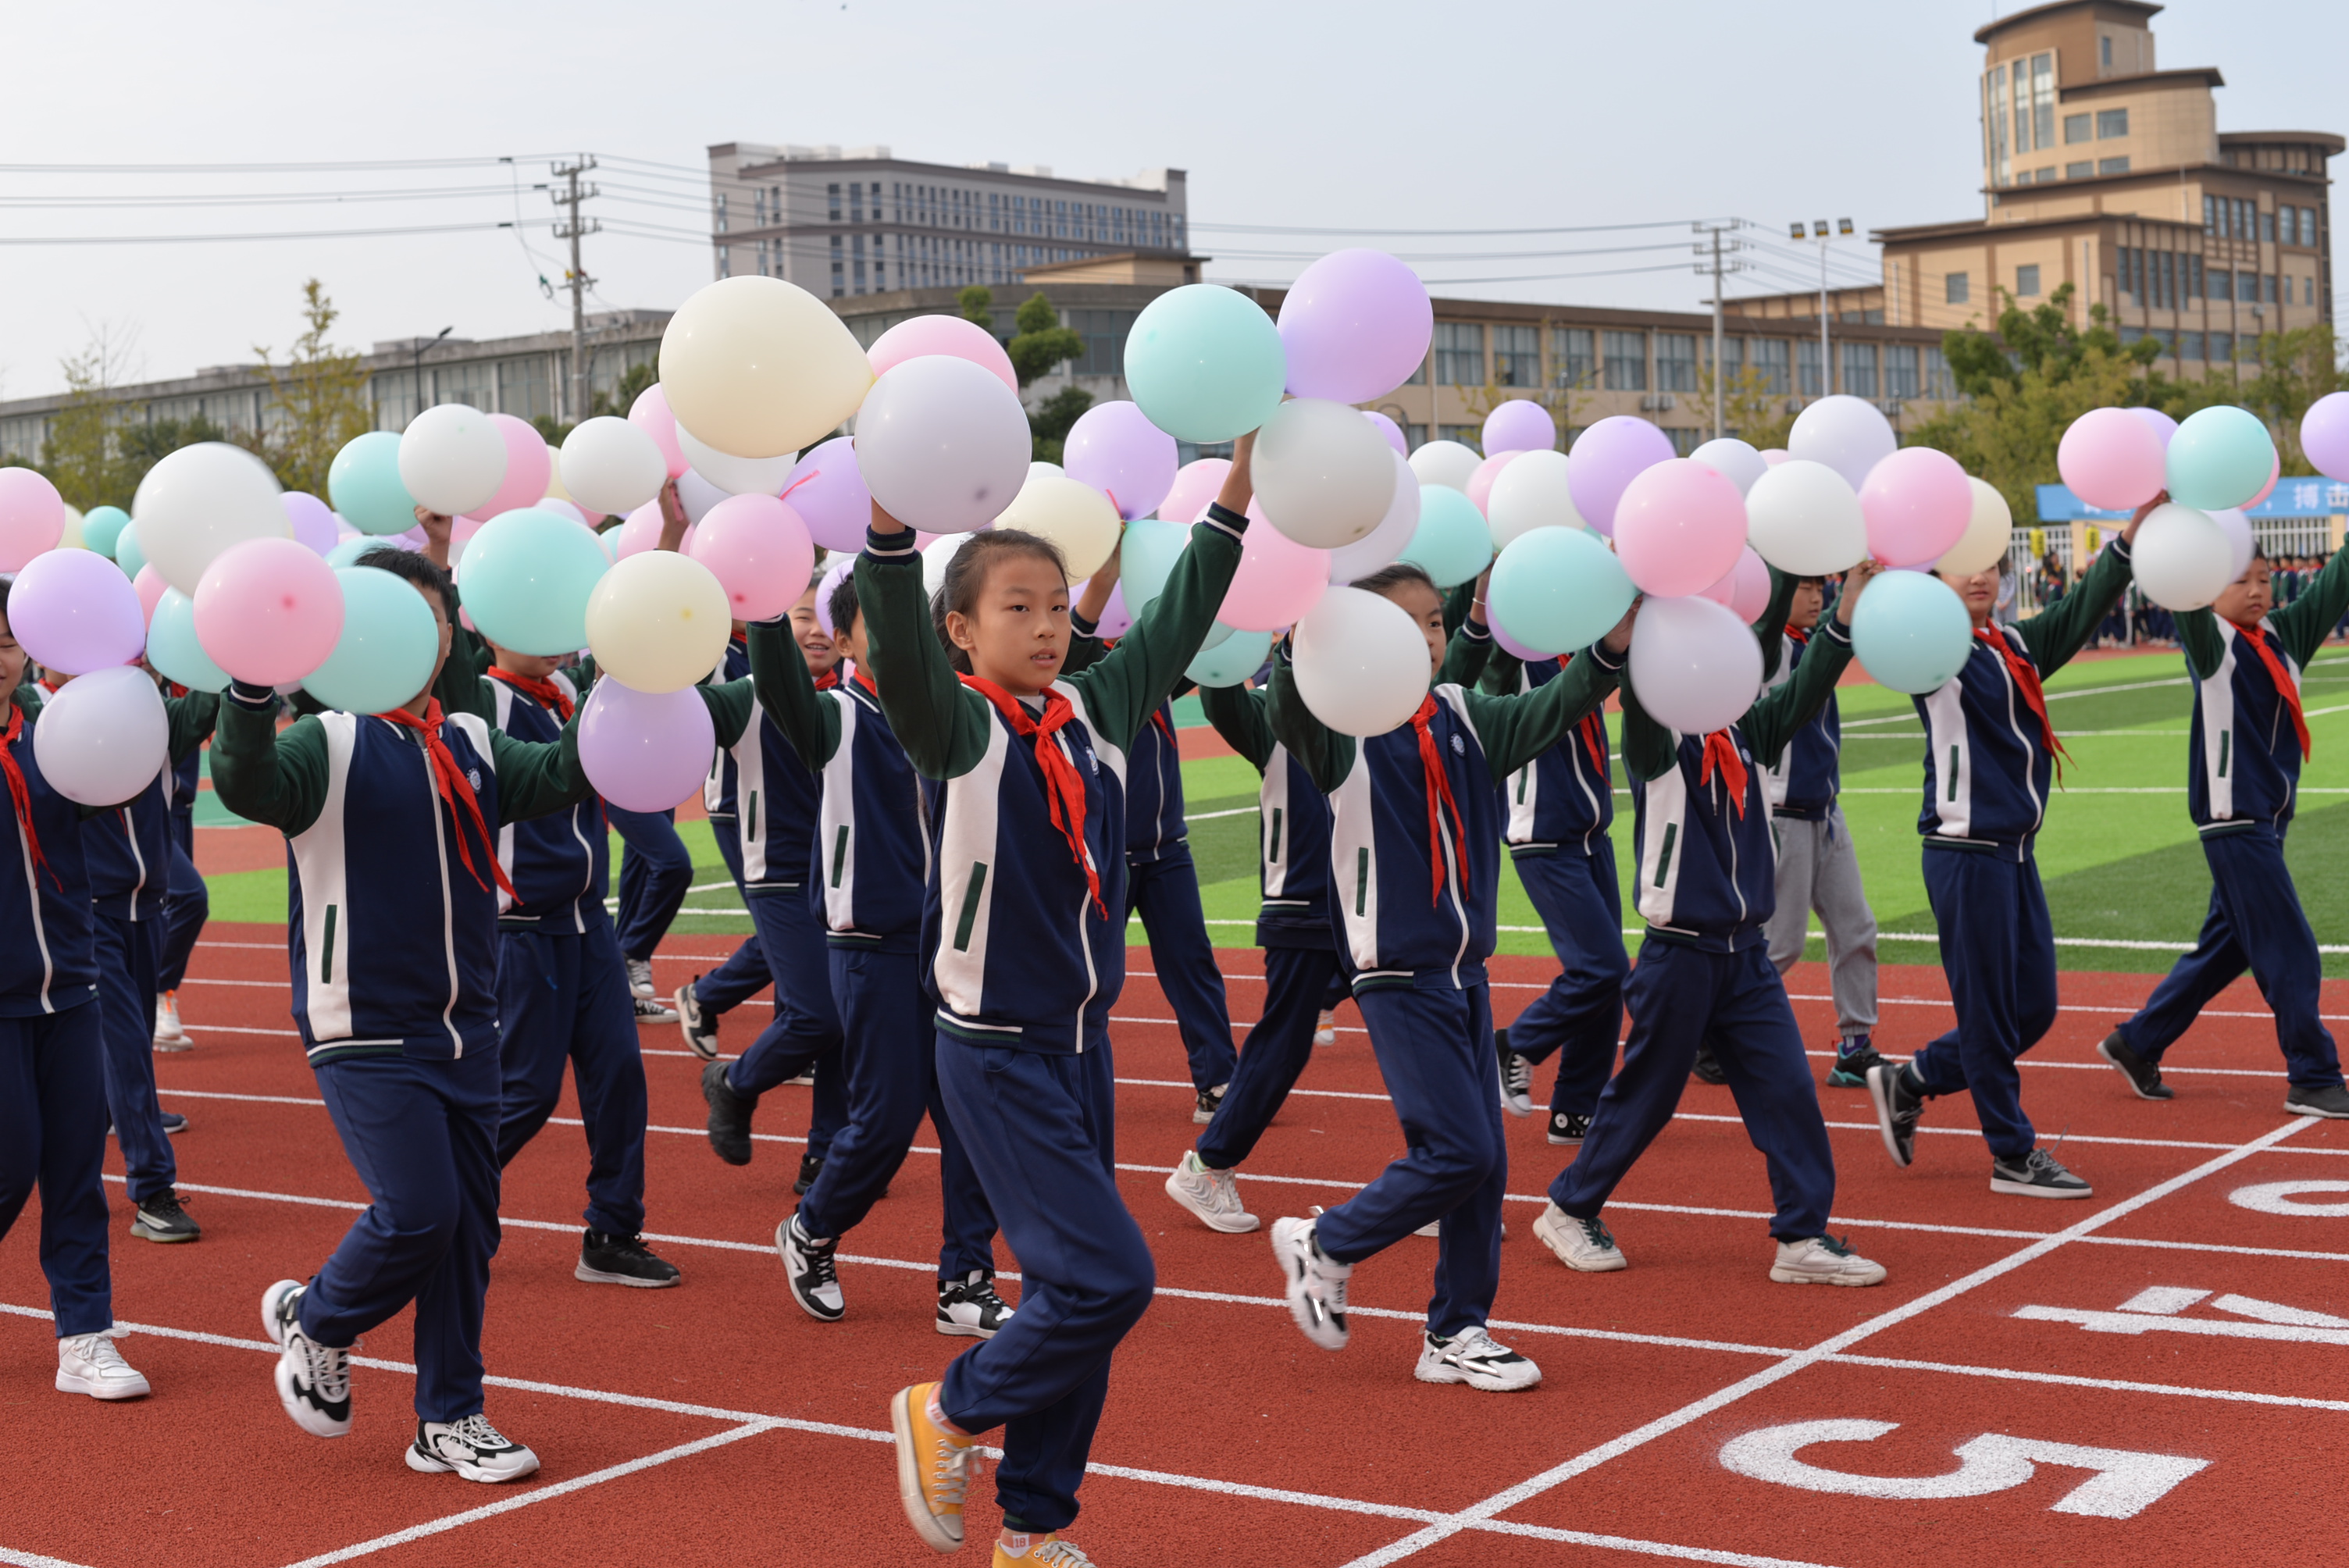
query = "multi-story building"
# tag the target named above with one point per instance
(840, 224)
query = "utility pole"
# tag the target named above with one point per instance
(1715, 249)
(570, 194)
(1819, 233)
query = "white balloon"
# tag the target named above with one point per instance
(1446, 463)
(1530, 492)
(1849, 435)
(1043, 470)
(2182, 558)
(200, 501)
(610, 464)
(2239, 535)
(697, 495)
(1804, 518)
(735, 476)
(1362, 664)
(103, 737)
(1989, 531)
(453, 459)
(943, 444)
(1322, 473)
(1695, 666)
(1734, 458)
(1383, 543)
(937, 556)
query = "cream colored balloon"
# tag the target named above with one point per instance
(1072, 515)
(1987, 533)
(758, 367)
(659, 621)
(71, 538)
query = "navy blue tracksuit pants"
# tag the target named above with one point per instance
(1167, 891)
(2256, 924)
(1434, 1045)
(806, 1025)
(1041, 1131)
(126, 1009)
(53, 1136)
(1580, 1017)
(747, 971)
(890, 1054)
(187, 904)
(656, 872)
(423, 1136)
(1678, 996)
(563, 998)
(1998, 951)
(1297, 983)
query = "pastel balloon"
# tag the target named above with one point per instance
(452, 459)
(526, 578)
(1773, 456)
(1695, 666)
(561, 508)
(826, 489)
(1910, 631)
(733, 475)
(529, 467)
(1555, 590)
(312, 520)
(2163, 425)
(1389, 430)
(128, 556)
(1196, 485)
(1746, 589)
(1451, 543)
(1534, 491)
(2182, 560)
(390, 642)
(151, 588)
(1519, 425)
(696, 495)
(1447, 463)
(1122, 455)
(1147, 558)
(2275, 472)
(363, 482)
(1802, 518)
(1354, 325)
(1323, 475)
(1990, 533)
(1205, 363)
(2111, 458)
(2240, 539)
(1605, 458)
(1916, 504)
(101, 526)
(834, 575)
(173, 648)
(1849, 435)
(943, 444)
(268, 610)
(1514, 648)
(645, 751)
(69, 535)
(1072, 515)
(101, 740)
(758, 368)
(650, 412)
(347, 553)
(32, 517)
(1480, 484)
(1361, 666)
(758, 551)
(937, 556)
(1227, 659)
(659, 621)
(1116, 620)
(75, 612)
(201, 501)
(1386, 542)
(1678, 527)
(2325, 435)
(2220, 456)
(1278, 580)
(641, 530)
(1740, 462)
(947, 335)
(1037, 467)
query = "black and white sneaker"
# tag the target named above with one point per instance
(701, 1028)
(653, 1010)
(1566, 1127)
(472, 1448)
(1517, 1078)
(729, 1115)
(2331, 1100)
(969, 1308)
(2037, 1175)
(607, 1259)
(159, 1217)
(173, 1123)
(1210, 1101)
(1316, 1283)
(2144, 1077)
(1473, 1357)
(808, 1269)
(1899, 1102)
(810, 1166)
(640, 977)
(313, 1380)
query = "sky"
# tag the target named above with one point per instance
(1364, 120)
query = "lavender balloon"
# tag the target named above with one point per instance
(645, 751)
(2325, 435)
(1390, 430)
(827, 490)
(2163, 425)
(832, 575)
(1520, 425)
(1606, 459)
(1356, 323)
(1119, 452)
(314, 520)
(1116, 619)
(75, 612)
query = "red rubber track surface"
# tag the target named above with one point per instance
(716, 1423)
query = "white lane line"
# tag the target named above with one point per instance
(2115, 1385)
(32, 1559)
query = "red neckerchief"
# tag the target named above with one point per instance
(1720, 752)
(20, 795)
(2026, 680)
(1593, 729)
(175, 688)
(863, 678)
(1164, 723)
(1439, 799)
(2286, 687)
(1799, 635)
(462, 805)
(831, 678)
(548, 695)
(1063, 789)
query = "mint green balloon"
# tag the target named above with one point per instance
(347, 553)
(101, 526)
(1239, 656)
(1558, 590)
(1451, 543)
(389, 644)
(172, 647)
(1146, 559)
(127, 555)
(527, 577)
(1205, 362)
(363, 484)
(1910, 631)
(2219, 458)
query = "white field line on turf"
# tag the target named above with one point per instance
(1556, 1475)
(31, 1560)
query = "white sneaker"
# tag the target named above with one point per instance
(89, 1364)
(1325, 1028)
(810, 1272)
(1472, 1356)
(1317, 1284)
(170, 1035)
(1517, 1079)
(640, 977)
(1432, 1228)
(472, 1448)
(1212, 1194)
(313, 1380)
(1823, 1260)
(1584, 1246)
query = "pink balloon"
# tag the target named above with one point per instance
(827, 490)
(529, 464)
(1918, 502)
(75, 612)
(1480, 484)
(32, 517)
(1773, 456)
(642, 532)
(1195, 485)
(1112, 448)
(1608, 457)
(2112, 459)
(948, 334)
(1116, 619)
(832, 575)
(315, 522)
(2275, 472)
(1519, 425)
(645, 751)
(151, 588)
(562, 508)
(758, 549)
(1389, 430)
(1278, 579)
(1679, 526)
(2163, 425)
(268, 610)
(1746, 589)
(460, 533)
(649, 413)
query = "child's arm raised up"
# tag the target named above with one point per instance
(261, 775)
(2055, 634)
(1468, 648)
(780, 677)
(1239, 717)
(1516, 729)
(942, 723)
(1772, 720)
(2307, 620)
(1328, 756)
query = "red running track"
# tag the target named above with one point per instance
(716, 1422)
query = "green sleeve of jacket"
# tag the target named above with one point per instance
(1237, 715)
(1132, 679)
(942, 724)
(1465, 656)
(1455, 607)
(1516, 729)
(1504, 674)
(464, 686)
(1649, 750)
(730, 705)
(1085, 647)
(1770, 631)
(1327, 756)
(1772, 719)
(538, 779)
(2061, 630)
(191, 718)
(2203, 639)
(808, 721)
(265, 777)
(2308, 620)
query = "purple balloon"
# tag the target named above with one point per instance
(1116, 619)
(2325, 435)
(1119, 452)
(831, 579)
(827, 490)
(1606, 459)
(75, 612)
(2163, 425)
(645, 751)
(314, 520)
(1355, 324)
(1509, 644)
(1520, 425)
(1389, 430)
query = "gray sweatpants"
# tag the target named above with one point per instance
(1818, 870)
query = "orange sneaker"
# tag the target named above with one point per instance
(1039, 1551)
(932, 1470)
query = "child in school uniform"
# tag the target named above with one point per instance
(1415, 851)
(187, 902)
(1989, 750)
(1706, 887)
(2248, 741)
(1024, 946)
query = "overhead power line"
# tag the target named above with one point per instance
(276, 234)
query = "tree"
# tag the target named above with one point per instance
(317, 400)
(1750, 410)
(617, 401)
(1042, 342)
(82, 453)
(2295, 368)
(1048, 423)
(977, 302)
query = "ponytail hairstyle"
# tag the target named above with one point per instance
(967, 575)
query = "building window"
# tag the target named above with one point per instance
(2078, 128)
(2110, 123)
(1459, 354)
(1517, 355)
(2078, 170)
(2223, 347)
(1105, 332)
(1686, 438)
(1956, 289)
(1675, 362)
(832, 201)
(2308, 290)
(1627, 361)
(1860, 369)
(2105, 52)
(1572, 356)
(2042, 101)
(2267, 227)
(2210, 215)
(2047, 176)
(1768, 358)
(2222, 283)
(2190, 345)
(1939, 383)
(2247, 287)
(1994, 116)
(2112, 165)
(1900, 370)
(2026, 282)
(2269, 285)
(1809, 370)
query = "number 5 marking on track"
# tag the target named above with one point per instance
(2125, 1483)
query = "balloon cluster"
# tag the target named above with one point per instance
(2217, 461)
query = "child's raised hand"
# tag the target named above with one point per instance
(1854, 582)
(884, 523)
(1239, 483)
(436, 526)
(2128, 533)
(1618, 640)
